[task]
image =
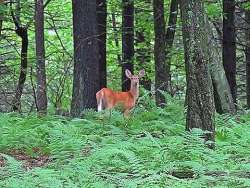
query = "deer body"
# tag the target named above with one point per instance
(108, 99)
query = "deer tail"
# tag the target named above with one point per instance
(100, 101)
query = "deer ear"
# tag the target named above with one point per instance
(141, 73)
(128, 73)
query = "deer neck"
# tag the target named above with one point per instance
(134, 90)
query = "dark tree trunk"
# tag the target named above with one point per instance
(171, 28)
(229, 45)
(248, 57)
(127, 41)
(200, 112)
(161, 73)
(217, 101)
(86, 80)
(22, 32)
(102, 21)
(41, 98)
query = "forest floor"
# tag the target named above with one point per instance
(150, 149)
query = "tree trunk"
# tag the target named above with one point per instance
(229, 45)
(102, 21)
(127, 41)
(161, 73)
(171, 28)
(222, 94)
(200, 112)
(248, 57)
(41, 92)
(86, 80)
(22, 32)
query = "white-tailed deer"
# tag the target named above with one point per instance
(108, 99)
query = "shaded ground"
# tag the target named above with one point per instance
(28, 162)
(2, 161)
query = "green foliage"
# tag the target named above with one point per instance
(149, 149)
(246, 5)
(214, 10)
(59, 50)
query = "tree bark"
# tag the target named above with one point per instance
(200, 111)
(171, 28)
(41, 98)
(127, 41)
(86, 80)
(161, 73)
(22, 32)
(229, 45)
(247, 51)
(102, 34)
(222, 94)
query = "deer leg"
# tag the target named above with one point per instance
(110, 112)
(126, 113)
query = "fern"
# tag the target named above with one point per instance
(149, 149)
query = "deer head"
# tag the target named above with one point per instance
(134, 78)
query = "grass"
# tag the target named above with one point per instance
(151, 149)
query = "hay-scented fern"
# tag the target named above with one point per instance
(149, 149)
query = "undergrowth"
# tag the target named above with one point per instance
(150, 149)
